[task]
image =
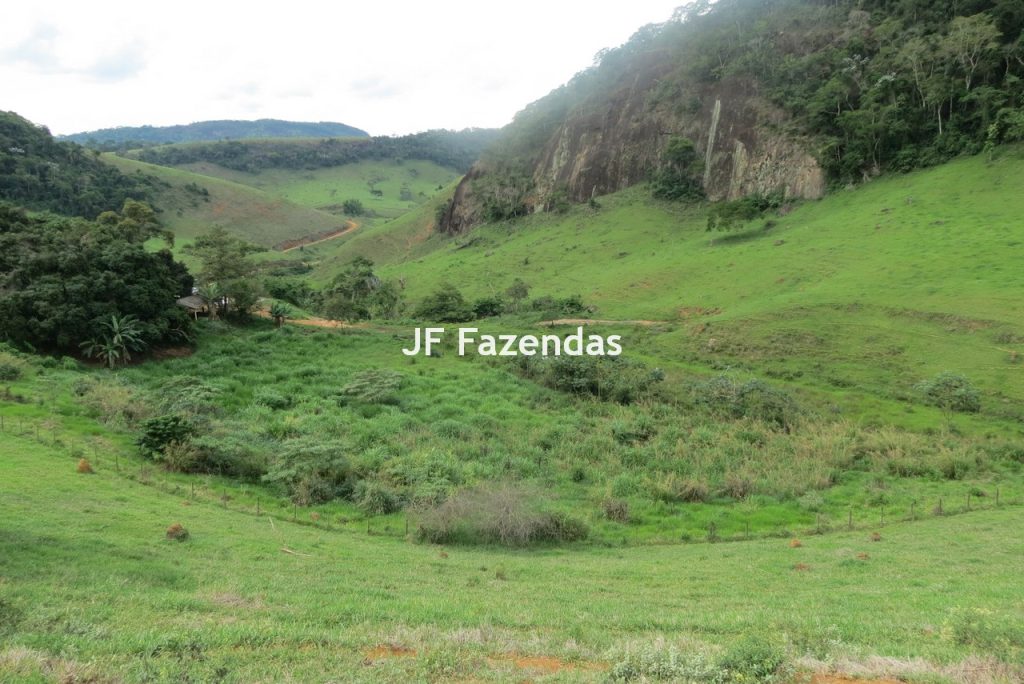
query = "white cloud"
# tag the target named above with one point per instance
(387, 66)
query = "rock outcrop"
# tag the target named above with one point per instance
(616, 138)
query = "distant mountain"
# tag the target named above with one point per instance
(451, 149)
(40, 173)
(206, 131)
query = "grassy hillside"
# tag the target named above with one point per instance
(93, 591)
(403, 185)
(191, 203)
(863, 293)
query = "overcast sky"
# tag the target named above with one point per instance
(383, 66)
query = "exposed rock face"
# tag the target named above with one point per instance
(618, 145)
(616, 140)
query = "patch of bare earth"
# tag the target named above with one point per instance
(316, 238)
(385, 651)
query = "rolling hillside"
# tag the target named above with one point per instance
(190, 203)
(867, 290)
(386, 188)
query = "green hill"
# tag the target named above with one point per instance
(138, 136)
(867, 290)
(41, 173)
(190, 203)
(386, 188)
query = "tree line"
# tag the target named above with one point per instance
(38, 172)
(452, 149)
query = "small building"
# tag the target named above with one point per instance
(194, 304)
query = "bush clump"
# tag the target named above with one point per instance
(951, 393)
(159, 431)
(751, 399)
(611, 378)
(504, 514)
(9, 371)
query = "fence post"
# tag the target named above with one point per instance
(849, 521)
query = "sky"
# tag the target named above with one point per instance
(386, 67)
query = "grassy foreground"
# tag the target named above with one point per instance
(91, 591)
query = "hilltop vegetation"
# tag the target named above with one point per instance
(778, 97)
(38, 172)
(131, 137)
(452, 149)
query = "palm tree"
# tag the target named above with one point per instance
(123, 336)
(213, 295)
(279, 312)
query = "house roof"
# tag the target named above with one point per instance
(192, 302)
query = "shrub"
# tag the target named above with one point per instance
(375, 498)
(182, 457)
(312, 472)
(353, 207)
(616, 510)
(567, 306)
(373, 386)
(113, 401)
(160, 431)
(751, 399)
(752, 659)
(9, 371)
(951, 393)
(188, 395)
(660, 662)
(445, 305)
(233, 455)
(611, 378)
(727, 215)
(271, 398)
(504, 514)
(486, 307)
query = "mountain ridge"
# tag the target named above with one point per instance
(216, 129)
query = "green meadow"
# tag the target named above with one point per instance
(843, 523)
(403, 185)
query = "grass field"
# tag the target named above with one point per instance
(868, 291)
(91, 591)
(908, 520)
(403, 185)
(260, 218)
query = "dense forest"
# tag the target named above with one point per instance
(74, 286)
(38, 172)
(452, 149)
(876, 85)
(130, 137)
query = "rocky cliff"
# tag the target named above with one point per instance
(614, 137)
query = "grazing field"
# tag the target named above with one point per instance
(865, 292)
(401, 185)
(190, 203)
(91, 590)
